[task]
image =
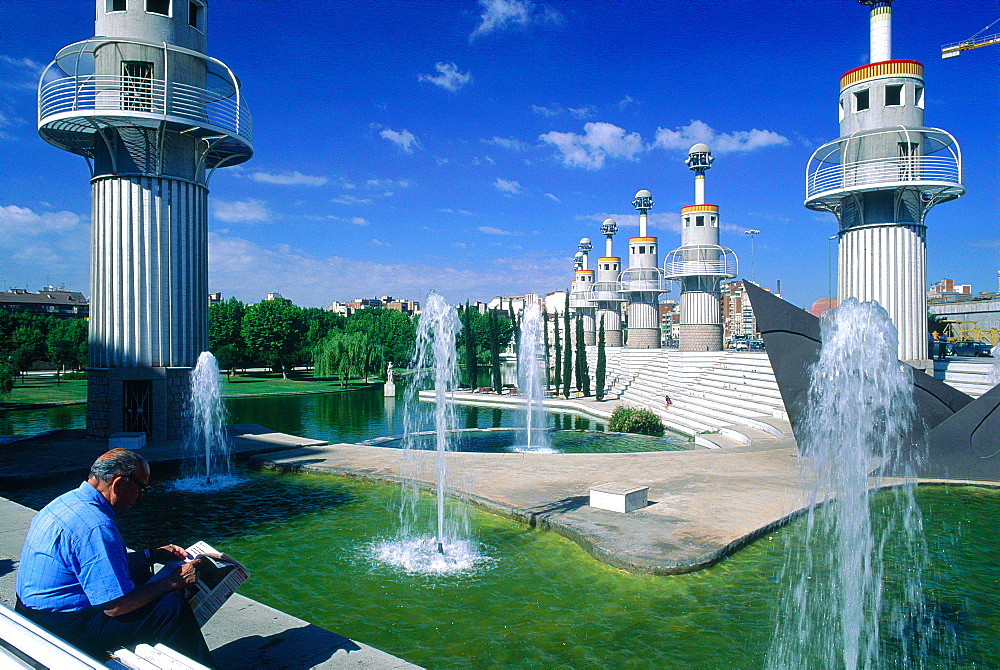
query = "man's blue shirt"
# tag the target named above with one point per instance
(73, 556)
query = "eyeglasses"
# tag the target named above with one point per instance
(135, 480)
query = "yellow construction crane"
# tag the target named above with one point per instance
(974, 42)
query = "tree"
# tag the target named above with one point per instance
(582, 374)
(225, 322)
(395, 332)
(545, 336)
(602, 362)
(494, 323)
(7, 374)
(557, 368)
(567, 351)
(63, 343)
(273, 331)
(515, 327)
(471, 351)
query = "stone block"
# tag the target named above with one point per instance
(619, 497)
(127, 440)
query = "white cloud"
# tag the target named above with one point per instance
(386, 183)
(599, 141)
(404, 139)
(448, 210)
(240, 211)
(508, 187)
(549, 112)
(583, 112)
(549, 195)
(24, 73)
(490, 230)
(698, 131)
(448, 77)
(23, 221)
(379, 243)
(511, 143)
(288, 178)
(351, 200)
(625, 102)
(501, 14)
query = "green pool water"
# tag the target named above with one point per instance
(538, 601)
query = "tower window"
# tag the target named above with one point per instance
(194, 14)
(699, 220)
(137, 85)
(841, 110)
(861, 100)
(642, 249)
(714, 222)
(158, 7)
(893, 95)
(918, 96)
(116, 6)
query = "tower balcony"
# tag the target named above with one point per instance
(606, 291)
(702, 260)
(580, 299)
(75, 103)
(922, 159)
(643, 280)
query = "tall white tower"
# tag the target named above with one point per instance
(580, 298)
(880, 178)
(642, 282)
(700, 264)
(607, 297)
(153, 116)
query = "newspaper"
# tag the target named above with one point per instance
(219, 575)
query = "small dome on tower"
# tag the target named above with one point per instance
(699, 148)
(584, 240)
(579, 255)
(644, 194)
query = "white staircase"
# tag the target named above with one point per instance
(729, 394)
(970, 377)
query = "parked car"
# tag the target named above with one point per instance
(756, 346)
(970, 349)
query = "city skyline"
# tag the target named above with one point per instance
(467, 146)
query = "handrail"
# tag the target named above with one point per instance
(832, 177)
(113, 95)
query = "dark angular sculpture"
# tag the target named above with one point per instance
(962, 434)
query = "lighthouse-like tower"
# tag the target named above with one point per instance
(880, 178)
(700, 264)
(642, 282)
(580, 298)
(153, 116)
(606, 296)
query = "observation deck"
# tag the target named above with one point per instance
(607, 291)
(704, 260)
(75, 103)
(643, 280)
(928, 160)
(580, 299)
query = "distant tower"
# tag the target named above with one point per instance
(154, 117)
(581, 297)
(880, 179)
(642, 282)
(607, 298)
(700, 264)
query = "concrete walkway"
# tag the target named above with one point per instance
(704, 504)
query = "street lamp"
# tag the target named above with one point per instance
(752, 233)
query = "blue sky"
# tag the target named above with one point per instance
(466, 146)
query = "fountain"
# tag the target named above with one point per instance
(207, 461)
(858, 415)
(446, 549)
(529, 382)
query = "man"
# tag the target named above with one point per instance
(74, 577)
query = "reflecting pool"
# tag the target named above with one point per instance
(539, 600)
(494, 441)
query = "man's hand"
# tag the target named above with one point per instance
(171, 552)
(186, 574)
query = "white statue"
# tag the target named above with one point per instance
(388, 374)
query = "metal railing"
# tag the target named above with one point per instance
(96, 95)
(700, 260)
(606, 291)
(877, 171)
(643, 280)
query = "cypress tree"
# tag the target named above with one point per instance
(471, 354)
(582, 374)
(567, 351)
(557, 368)
(494, 323)
(545, 334)
(602, 362)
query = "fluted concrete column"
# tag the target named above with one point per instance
(149, 272)
(699, 327)
(888, 263)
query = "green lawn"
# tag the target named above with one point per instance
(38, 389)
